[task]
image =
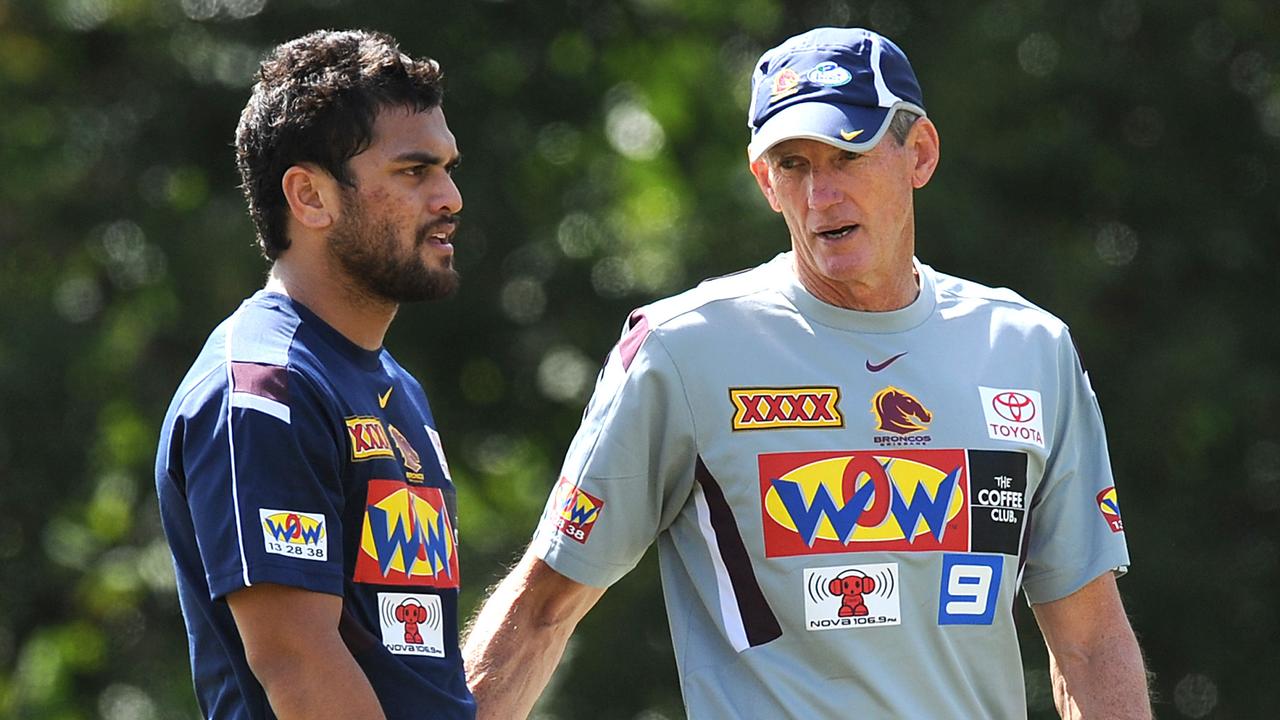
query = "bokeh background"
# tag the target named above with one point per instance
(1113, 160)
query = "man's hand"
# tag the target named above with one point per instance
(292, 644)
(1094, 661)
(515, 642)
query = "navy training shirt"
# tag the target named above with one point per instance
(290, 455)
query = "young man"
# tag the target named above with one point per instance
(850, 461)
(303, 488)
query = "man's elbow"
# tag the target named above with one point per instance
(273, 664)
(553, 601)
(1070, 656)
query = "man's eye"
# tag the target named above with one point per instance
(790, 163)
(414, 171)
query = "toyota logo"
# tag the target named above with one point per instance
(1014, 406)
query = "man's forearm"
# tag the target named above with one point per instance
(333, 685)
(516, 641)
(1111, 683)
(1095, 664)
(293, 647)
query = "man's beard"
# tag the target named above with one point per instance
(376, 263)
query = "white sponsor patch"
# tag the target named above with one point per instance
(412, 624)
(294, 534)
(851, 596)
(435, 443)
(1013, 415)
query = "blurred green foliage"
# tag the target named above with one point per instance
(1112, 160)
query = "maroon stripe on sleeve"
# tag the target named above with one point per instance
(268, 381)
(1022, 548)
(758, 620)
(630, 345)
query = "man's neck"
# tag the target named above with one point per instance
(352, 312)
(893, 293)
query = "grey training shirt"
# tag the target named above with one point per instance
(845, 503)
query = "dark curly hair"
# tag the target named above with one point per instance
(315, 100)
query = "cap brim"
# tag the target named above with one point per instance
(856, 128)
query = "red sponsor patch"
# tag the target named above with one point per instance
(815, 503)
(768, 408)
(1109, 505)
(576, 510)
(368, 438)
(407, 537)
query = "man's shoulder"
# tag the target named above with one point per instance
(726, 292)
(960, 296)
(255, 348)
(265, 329)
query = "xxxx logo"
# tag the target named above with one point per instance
(767, 408)
(368, 438)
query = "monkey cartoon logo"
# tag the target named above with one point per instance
(851, 596)
(850, 589)
(411, 623)
(411, 613)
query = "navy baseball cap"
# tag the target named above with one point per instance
(837, 85)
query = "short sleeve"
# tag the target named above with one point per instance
(629, 469)
(1076, 533)
(261, 471)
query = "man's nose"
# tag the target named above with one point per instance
(823, 190)
(447, 199)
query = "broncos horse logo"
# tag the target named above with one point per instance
(898, 411)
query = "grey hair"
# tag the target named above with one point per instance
(901, 124)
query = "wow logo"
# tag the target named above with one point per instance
(1110, 507)
(577, 510)
(815, 503)
(407, 538)
(292, 527)
(294, 534)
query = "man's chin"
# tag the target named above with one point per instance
(433, 284)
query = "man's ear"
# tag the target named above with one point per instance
(760, 168)
(923, 141)
(312, 195)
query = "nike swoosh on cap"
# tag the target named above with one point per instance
(850, 135)
(880, 366)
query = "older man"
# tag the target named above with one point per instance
(851, 462)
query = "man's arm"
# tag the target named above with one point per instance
(1094, 662)
(292, 644)
(516, 641)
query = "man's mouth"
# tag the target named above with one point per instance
(439, 232)
(837, 233)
